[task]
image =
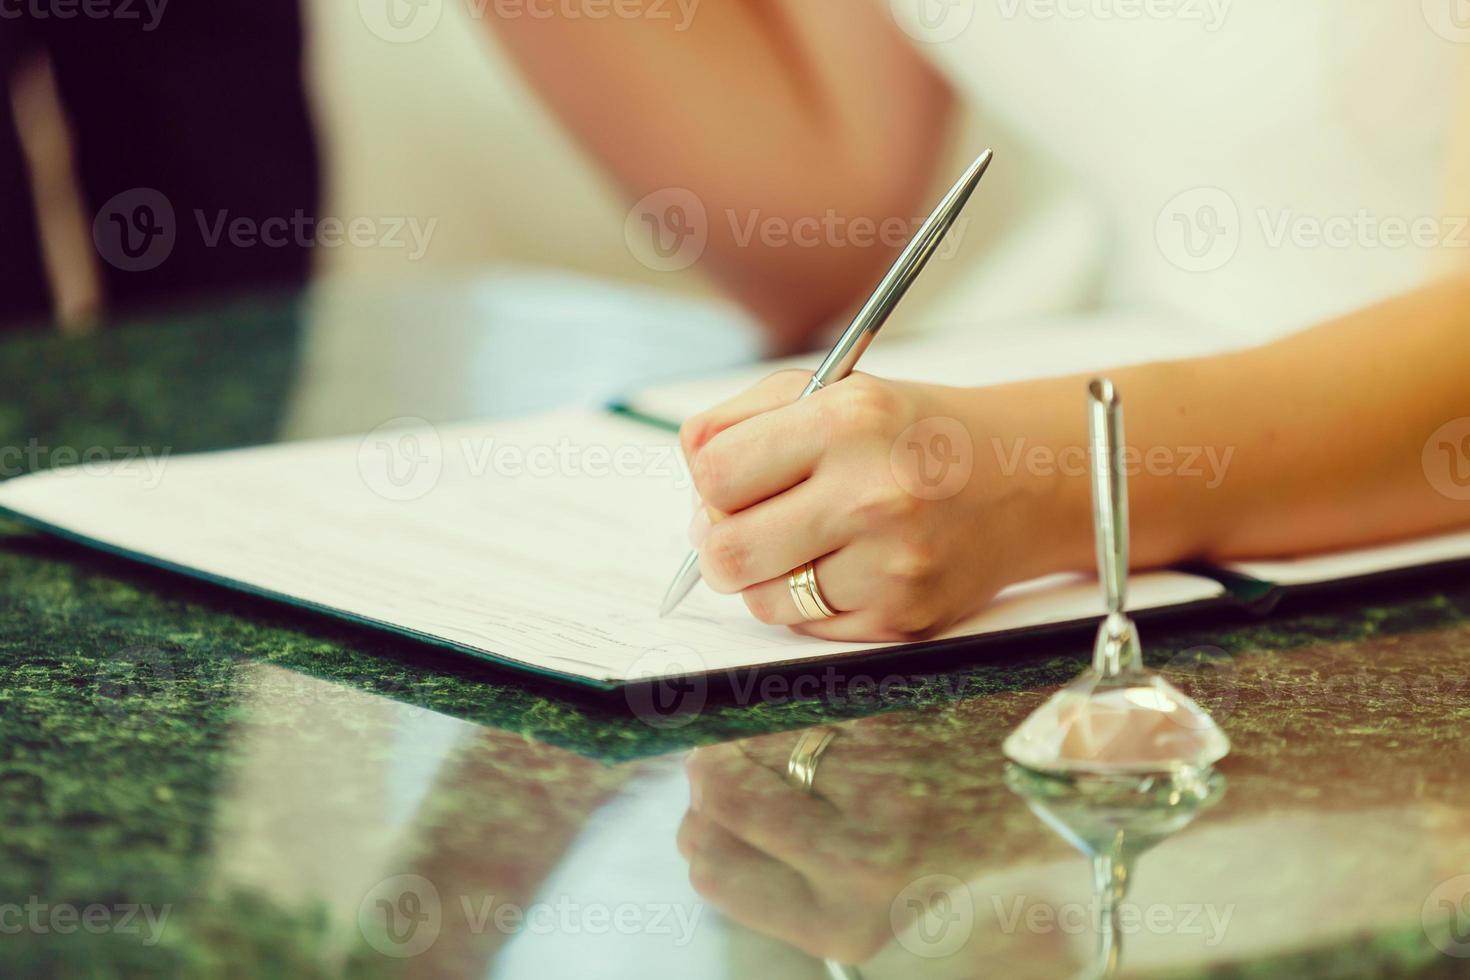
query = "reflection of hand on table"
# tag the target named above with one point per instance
(820, 872)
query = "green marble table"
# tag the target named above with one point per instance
(197, 783)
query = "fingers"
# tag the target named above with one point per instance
(781, 388)
(841, 577)
(760, 808)
(768, 540)
(750, 887)
(815, 481)
(882, 591)
(869, 625)
(758, 457)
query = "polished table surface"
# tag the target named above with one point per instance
(197, 783)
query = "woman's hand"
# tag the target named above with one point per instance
(920, 502)
(897, 798)
(789, 865)
(890, 488)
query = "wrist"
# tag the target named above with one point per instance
(1032, 474)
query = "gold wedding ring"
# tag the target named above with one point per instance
(807, 595)
(801, 768)
(801, 773)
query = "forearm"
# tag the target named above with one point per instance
(769, 115)
(1310, 443)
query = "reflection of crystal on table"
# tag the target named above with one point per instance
(1114, 819)
(1118, 817)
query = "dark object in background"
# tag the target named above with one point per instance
(23, 290)
(185, 117)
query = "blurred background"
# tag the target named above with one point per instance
(408, 117)
(1160, 159)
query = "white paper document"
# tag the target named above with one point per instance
(1342, 566)
(544, 542)
(547, 542)
(1022, 350)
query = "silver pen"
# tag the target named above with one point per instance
(843, 357)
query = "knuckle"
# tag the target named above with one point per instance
(761, 606)
(725, 557)
(860, 403)
(884, 504)
(696, 768)
(691, 436)
(912, 620)
(869, 397)
(856, 949)
(912, 566)
(702, 874)
(787, 379)
(913, 575)
(708, 473)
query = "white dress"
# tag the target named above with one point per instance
(1178, 155)
(1262, 165)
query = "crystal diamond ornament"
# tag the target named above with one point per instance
(1117, 717)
